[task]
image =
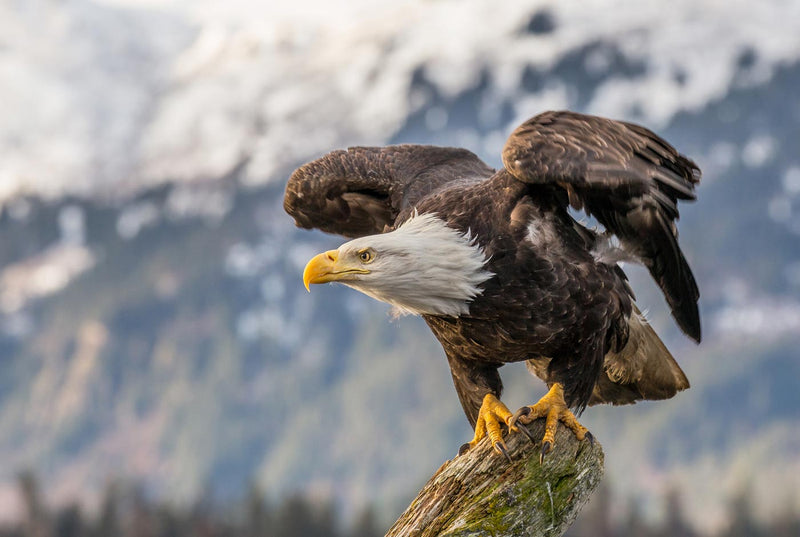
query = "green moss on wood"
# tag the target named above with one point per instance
(480, 493)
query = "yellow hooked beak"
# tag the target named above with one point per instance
(325, 267)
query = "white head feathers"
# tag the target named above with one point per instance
(424, 267)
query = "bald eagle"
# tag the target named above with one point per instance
(501, 272)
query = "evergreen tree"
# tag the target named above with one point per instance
(675, 524)
(69, 522)
(258, 521)
(366, 524)
(742, 521)
(634, 524)
(297, 517)
(36, 523)
(108, 516)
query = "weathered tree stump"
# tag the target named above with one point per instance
(481, 493)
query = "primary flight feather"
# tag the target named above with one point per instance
(499, 269)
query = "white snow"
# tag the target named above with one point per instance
(791, 181)
(134, 218)
(766, 319)
(782, 208)
(209, 202)
(43, 274)
(107, 96)
(758, 150)
(748, 312)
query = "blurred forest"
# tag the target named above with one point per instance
(125, 511)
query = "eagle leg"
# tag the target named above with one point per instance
(491, 414)
(552, 407)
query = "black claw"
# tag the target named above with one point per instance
(527, 433)
(463, 449)
(524, 411)
(546, 447)
(590, 437)
(502, 449)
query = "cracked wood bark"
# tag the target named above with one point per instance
(481, 493)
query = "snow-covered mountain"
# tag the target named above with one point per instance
(110, 96)
(152, 319)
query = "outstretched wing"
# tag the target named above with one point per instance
(362, 190)
(628, 178)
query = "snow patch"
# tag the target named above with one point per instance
(210, 203)
(41, 275)
(136, 217)
(758, 150)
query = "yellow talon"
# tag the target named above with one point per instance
(552, 407)
(491, 414)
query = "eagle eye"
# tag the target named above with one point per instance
(366, 256)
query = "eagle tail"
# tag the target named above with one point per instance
(642, 370)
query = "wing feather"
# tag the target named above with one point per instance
(362, 190)
(629, 179)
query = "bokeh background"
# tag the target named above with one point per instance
(158, 353)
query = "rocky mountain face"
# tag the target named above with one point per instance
(157, 328)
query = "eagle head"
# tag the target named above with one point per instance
(424, 267)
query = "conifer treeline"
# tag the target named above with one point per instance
(126, 512)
